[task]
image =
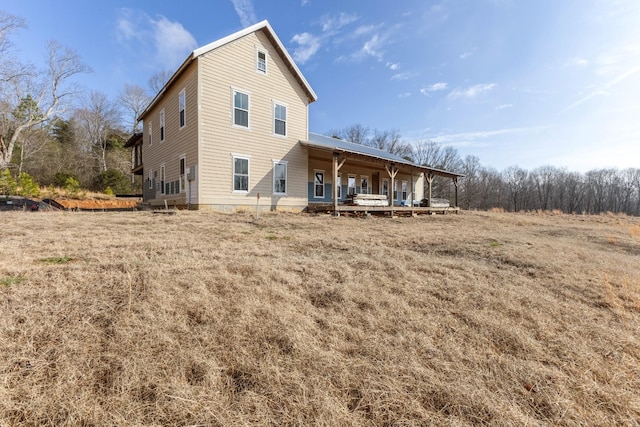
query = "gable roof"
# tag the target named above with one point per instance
(260, 26)
(323, 142)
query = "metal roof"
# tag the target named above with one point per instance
(323, 142)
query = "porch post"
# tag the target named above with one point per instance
(430, 177)
(455, 183)
(335, 184)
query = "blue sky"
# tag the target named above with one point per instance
(514, 82)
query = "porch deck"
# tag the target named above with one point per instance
(395, 210)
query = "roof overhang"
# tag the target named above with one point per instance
(354, 153)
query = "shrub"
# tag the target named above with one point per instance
(115, 180)
(60, 178)
(72, 187)
(27, 186)
(8, 185)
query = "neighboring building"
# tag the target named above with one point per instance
(232, 124)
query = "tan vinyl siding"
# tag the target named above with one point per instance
(178, 141)
(233, 66)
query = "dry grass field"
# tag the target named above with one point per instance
(135, 318)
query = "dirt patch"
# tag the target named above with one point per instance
(97, 204)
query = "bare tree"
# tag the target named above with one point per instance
(158, 80)
(357, 134)
(134, 99)
(47, 89)
(96, 121)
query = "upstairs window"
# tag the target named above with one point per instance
(280, 119)
(182, 105)
(150, 129)
(162, 125)
(240, 109)
(262, 62)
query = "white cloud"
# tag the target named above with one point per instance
(173, 42)
(244, 9)
(392, 66)
(169, 41)
(466, 139)
(467, 54)
(503, 106)
(308, 45)
(372, 47)
(404, 76)
(331, 24)
(404, 95)
(433, 88)
(472, 91)
(576, 61)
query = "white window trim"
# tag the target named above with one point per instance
(355, 180)
(382, 186)
(286, 119)
(404, 188)
(314, 183)
(286, 177)
(150, 131)
(183, 189)
(266, 55)
(163, 128)
(233, 108)
(163, 178)
(339, 186)
(182, 92)
(235, 156)
(150, 179)
(368, 184)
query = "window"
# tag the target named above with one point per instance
(404, 190)
(240, 109)
(150, 181)
(240, 174)
(339, 186)
(280, 177)
(182, 105)
(150, 130)
(162, 189)
(183, 180)
(162, 125)
(351, 185)
(395, 190)
(318, 184)
(280, 119)
(385, 187)
(364, 184)
(262, 62)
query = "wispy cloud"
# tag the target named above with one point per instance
(404, 95)
(405, 75)
(480, 137)
(169, 41)
(392, 66)
(308, 45)
(244, 9)
(472, 91)
(604, 89)
(436, 87)
(467, 54)
(334, 23)
(576, 61)
(503, 106)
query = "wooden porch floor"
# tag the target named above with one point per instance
(385, 210)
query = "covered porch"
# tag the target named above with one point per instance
(388, 183)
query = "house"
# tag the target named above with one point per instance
(229, 130)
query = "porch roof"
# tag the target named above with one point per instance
(328, 143)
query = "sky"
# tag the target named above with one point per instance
(525, 83)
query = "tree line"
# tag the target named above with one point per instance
(513, 189)
(52, 131)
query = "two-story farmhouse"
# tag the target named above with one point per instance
(230, 130)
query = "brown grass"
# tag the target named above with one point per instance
(200, 318)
